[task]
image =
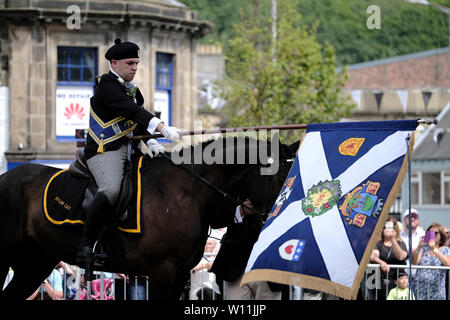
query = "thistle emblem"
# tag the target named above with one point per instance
(131, 92)
(130, 87)
(321, 197)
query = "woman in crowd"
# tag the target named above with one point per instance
(430, 283)
(389, 250)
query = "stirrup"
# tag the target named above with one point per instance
(98, 258)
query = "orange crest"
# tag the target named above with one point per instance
(350, 147)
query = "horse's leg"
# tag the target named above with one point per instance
(33, 266)
(28, 276)
(162, 281)
(181, 279)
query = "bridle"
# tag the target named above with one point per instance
(225, 195)
(262, 216)
(266, 205)
(197, 177)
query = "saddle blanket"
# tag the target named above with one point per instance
(64, 193)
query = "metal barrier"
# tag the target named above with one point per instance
(373, 287)
(107, 286)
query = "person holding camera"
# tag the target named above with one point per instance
(389, 250)
(431, 251)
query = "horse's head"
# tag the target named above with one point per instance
(242, 167)
(262, 182)
(255, 169)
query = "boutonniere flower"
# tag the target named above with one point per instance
(131, 89)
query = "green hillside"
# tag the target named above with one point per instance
(404, 27)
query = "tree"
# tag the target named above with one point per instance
(222, 13)
(405, 27)
(297, 84)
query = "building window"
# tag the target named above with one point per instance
(164, 71)
(76, 69)
(430, 188)
(77, 65)
(446, 178)
(163, 89)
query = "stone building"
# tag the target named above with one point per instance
(51, 51)
(401, 87)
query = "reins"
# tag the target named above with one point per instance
(212, 185)
(224, 194)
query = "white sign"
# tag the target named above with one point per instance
(72, 109)
(162, 105)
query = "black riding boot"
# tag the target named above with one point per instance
(94, 222)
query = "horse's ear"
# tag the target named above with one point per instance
(294, 147)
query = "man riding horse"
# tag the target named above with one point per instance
(116, 112)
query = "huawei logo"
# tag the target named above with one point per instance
(71, 111)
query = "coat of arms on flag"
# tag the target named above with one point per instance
(332, 207)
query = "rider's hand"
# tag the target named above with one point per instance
(154, 148)
(171, 133)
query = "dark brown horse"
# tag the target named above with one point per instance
(175, 218)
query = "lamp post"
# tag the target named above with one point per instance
(437, 6)
(274, 30)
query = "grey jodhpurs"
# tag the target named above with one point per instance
(107, 169)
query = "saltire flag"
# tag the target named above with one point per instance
(333, 205)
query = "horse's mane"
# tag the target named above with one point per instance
(240, 144)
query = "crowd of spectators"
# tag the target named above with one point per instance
(430, 248)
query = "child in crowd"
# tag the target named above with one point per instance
(400, 292)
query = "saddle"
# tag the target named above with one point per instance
(70, 192)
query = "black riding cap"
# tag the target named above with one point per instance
(122, 50)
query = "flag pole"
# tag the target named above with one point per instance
(409, 218)
(426, 121)
(225, 130)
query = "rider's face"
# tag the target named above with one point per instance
(125, 68)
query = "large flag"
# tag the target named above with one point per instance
(332, 207)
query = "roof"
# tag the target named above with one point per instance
(167, 2)
(54, 3)
(434, 144)
(167, 14)
(415, 55)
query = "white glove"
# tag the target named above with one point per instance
(171, 133)
(154, 148)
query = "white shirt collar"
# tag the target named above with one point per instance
(130, 84)
(110, 69)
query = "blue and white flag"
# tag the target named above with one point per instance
(332, 207)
